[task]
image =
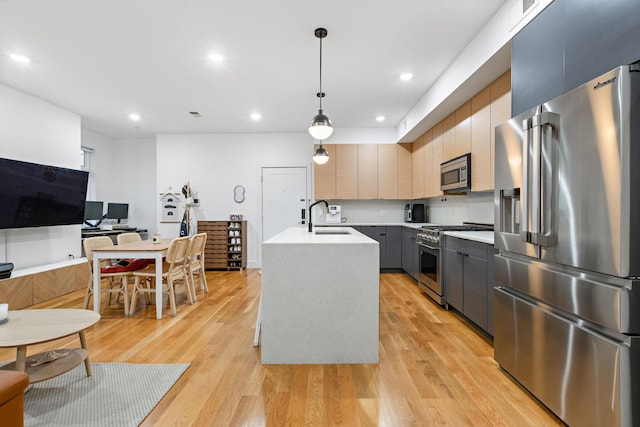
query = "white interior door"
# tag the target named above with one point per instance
(284, 197)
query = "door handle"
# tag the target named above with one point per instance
(549, 122)
(525, 233)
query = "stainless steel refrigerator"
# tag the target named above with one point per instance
(567, 212)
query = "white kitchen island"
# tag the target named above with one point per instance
(320, 297)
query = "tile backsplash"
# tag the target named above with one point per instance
(474, 207)
(456, 209)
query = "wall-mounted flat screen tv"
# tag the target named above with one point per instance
(34, 195)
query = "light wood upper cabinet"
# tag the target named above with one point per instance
(437, 153)
(500, 108)
(387, 171)
(412, 171)
(463, 129)
(481, 152)
(368, 171)
(449, 136)
(427, 154)
(324, 176)
(417, 169)
(364, 171)
(346, 171)
(405, 171)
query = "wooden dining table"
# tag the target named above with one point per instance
(145, 249)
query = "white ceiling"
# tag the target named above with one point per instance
(107, 59)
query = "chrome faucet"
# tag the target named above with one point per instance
(312, 205)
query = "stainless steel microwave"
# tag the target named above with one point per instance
(455, 174)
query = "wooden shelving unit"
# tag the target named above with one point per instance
(226, 247)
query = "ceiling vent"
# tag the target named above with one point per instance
(526, 5)
(195, 114)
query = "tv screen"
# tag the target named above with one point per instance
(93, 211)
(117, 211)
(34, 195)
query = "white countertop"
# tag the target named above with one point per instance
(415, 225)
(301, 235)
(478, 236)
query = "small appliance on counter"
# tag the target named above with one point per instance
(414, 212)
(334, 214)
(5, 270)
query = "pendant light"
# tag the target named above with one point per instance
(320, 127)
(321, 155)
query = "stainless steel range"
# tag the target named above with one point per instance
(430, 240)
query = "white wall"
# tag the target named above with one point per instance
(36, 131)
(214, 164)
(125, 172)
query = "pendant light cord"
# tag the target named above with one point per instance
(320, 95)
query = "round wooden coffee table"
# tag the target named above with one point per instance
(29, 327)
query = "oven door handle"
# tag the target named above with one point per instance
(425, 246)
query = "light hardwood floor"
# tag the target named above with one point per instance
(434, 369)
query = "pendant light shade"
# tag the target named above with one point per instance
(321, 155)
(320, 127)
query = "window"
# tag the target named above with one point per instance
(87, 160)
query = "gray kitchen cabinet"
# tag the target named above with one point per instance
(390, 240)
(467, 277)
(491, 251)
(569, 43)
(453, 277)
(410, 252)
(394, 247)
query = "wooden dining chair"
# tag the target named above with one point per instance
(128, 238)
(174, 272)
(116, 276)
(195, 262)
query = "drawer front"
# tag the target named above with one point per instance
(469, 247)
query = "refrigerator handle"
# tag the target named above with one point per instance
(525, 203)
(548, 123)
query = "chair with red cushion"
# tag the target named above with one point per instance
(116, 275)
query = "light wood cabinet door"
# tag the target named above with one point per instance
(324, 176)
(463, 129)
(387, 171)
(500, 107)
(346, 171)
(449, 137)
(405, 171)
(427, 154)
(367, 171)
(437, 153)
(417, 168)
(481, 152)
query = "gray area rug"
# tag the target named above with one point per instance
(117, 394)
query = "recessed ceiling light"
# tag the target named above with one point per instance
(134, 117)
(256, 116)
(406, 76)
(380, 119)
(19, 58)
(216, 57)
